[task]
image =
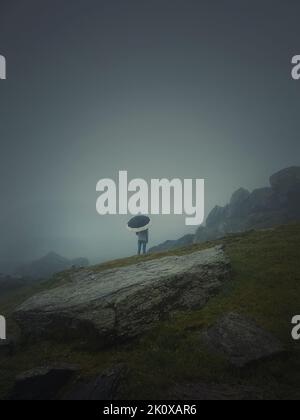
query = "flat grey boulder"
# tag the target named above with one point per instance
(119, 304)
(241, 341)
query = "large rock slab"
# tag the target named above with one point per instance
(122, 303)
(241, 341)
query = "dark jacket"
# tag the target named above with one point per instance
(143, 236)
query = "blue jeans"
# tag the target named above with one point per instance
(142, 244)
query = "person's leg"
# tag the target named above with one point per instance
(139, 247)
(144, 247)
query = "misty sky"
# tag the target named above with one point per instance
(161, 88)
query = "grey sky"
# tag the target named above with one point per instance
(161, 88)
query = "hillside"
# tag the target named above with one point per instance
(173, 244)
(172, 359)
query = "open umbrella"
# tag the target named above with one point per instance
(139, 223)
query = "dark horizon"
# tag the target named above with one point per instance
(162, 89)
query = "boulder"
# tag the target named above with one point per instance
(122, 303)
(240, 340)
(105, 387)
(43, 383)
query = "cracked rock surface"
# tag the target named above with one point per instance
(241, 340)
(122, 303)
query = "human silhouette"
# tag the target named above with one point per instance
(143, 238)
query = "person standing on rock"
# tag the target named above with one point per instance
(143, 238)
(140, 225)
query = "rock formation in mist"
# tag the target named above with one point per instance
(260, 209)
(263, 208)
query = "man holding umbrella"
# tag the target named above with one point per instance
(140, 225)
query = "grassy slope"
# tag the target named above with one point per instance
(265, 285)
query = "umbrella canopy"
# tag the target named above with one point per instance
(139, 223)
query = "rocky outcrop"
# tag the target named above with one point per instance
(263, 208)
(105, 387)
(240, 340)
(43, 383)
(122, 303)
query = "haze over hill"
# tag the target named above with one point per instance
(51, 264)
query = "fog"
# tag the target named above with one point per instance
(160, 88)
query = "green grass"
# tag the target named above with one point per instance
(265, 285)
